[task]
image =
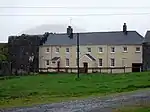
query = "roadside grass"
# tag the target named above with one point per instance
(138, 108)
(41, 89)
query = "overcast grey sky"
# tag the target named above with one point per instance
(12, 25)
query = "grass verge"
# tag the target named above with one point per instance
(30, 90)
(138, 108)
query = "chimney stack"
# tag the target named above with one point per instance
(70, 32)
(125, 29)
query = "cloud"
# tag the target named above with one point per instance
(54, 28)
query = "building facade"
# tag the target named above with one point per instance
(94, 56)
(97, 49)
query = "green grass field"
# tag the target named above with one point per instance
(29, 90)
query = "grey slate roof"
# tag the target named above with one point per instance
(97, 38)
(147, 37)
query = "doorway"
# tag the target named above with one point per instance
(136, 67)
(58, 65)
(85, 67)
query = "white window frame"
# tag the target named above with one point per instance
(99, 62)
(57, 50)
(67, 62)
(111, 62)
(67, 50)
(47, 50)
(88, 49)
(124, 49)
(101, 49)
(47, 62)
(111, 49)
(138, 51)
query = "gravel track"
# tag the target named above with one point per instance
(104, 104)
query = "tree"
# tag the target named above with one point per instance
(3, 52)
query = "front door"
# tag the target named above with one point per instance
(58, 65)
(85, 67)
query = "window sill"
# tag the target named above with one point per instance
(112, 66)
(112, 52)
(137, 51)
(125, 51)
(100, 52)
(100, 66)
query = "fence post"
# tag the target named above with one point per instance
(100, 70)
(47, 70)
(124, 69)
(111, 70)
(92, 70)
(71, 70)
(58, 69)
(39, 70)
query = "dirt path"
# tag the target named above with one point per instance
(105, 104)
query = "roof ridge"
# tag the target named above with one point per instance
(93, 32)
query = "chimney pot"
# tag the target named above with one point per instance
(125, 28)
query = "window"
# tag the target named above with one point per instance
(89, 49)
(125, 49)
(100, 49)
(100, 62)
(112, 49)
(47, 50)
(67, 62)
(112, 62)
(47, 62)
(57, 50)
(67, 50)
(53, 62)
(137, 49)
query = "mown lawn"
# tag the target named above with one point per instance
(29, 90)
